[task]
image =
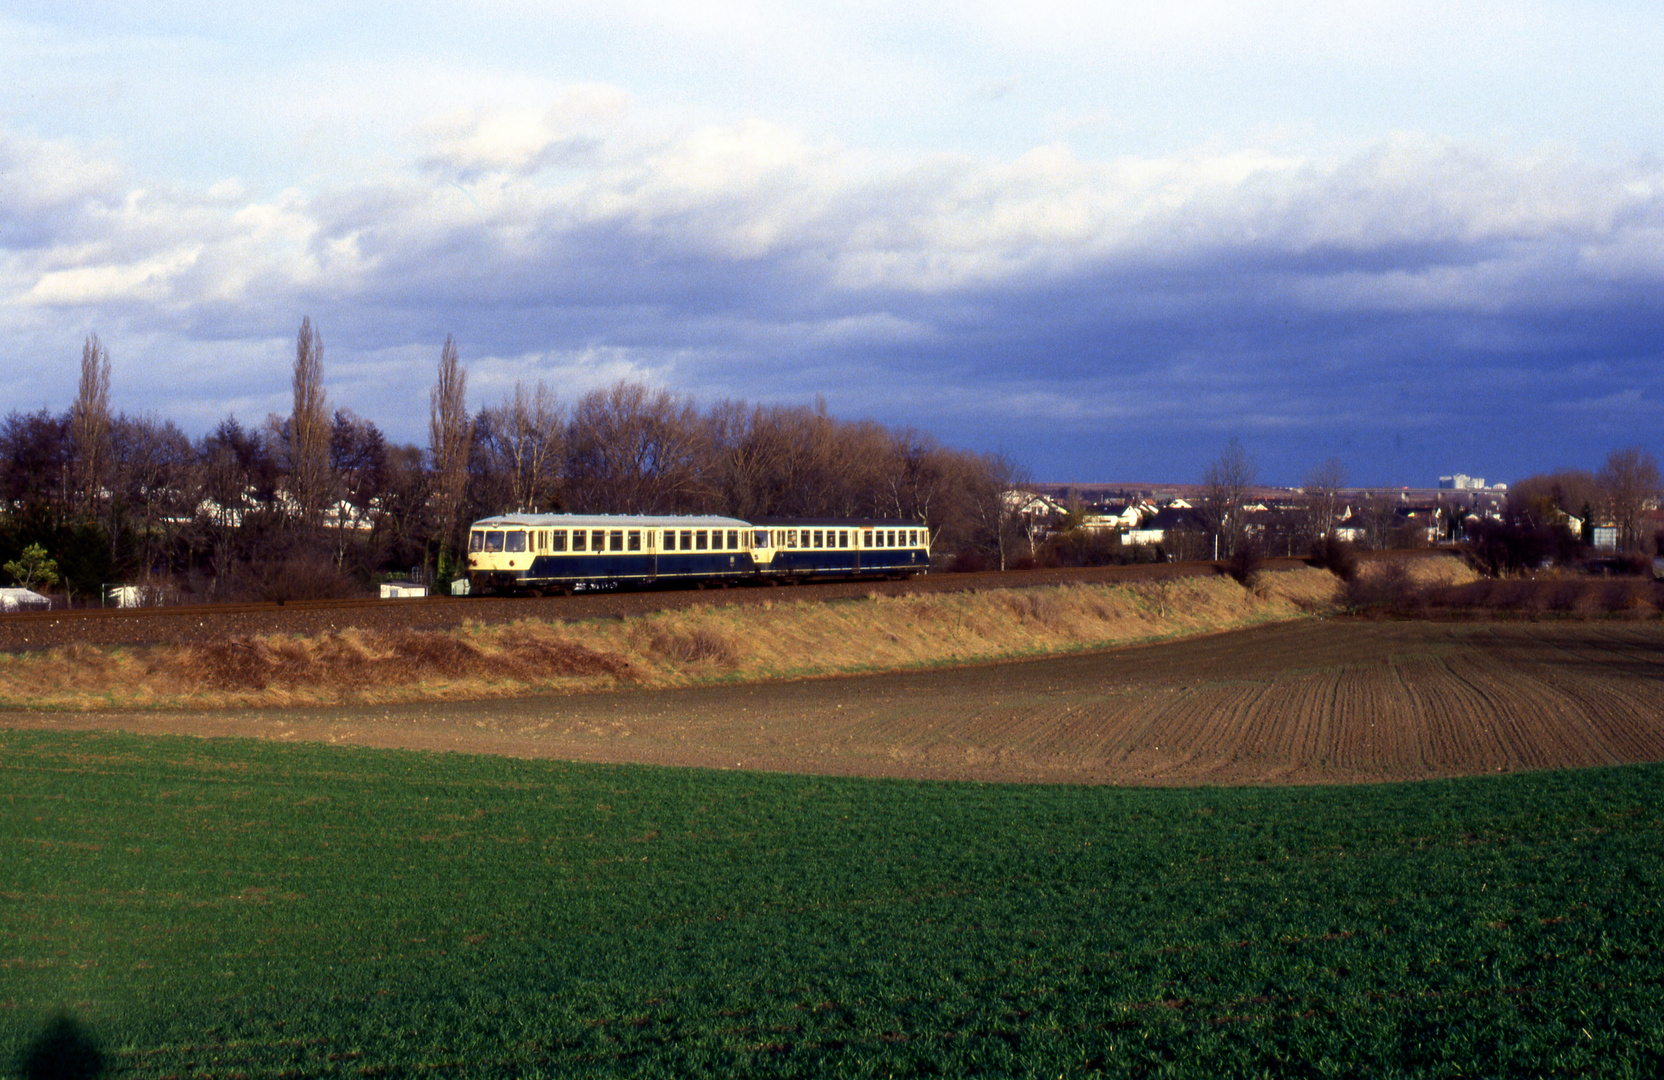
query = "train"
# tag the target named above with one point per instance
(549, 554)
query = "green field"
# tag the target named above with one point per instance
(231, 908)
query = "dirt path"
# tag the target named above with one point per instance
(1307, 702)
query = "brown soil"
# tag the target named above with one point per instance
(1316, 701)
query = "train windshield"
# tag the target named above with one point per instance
(515, 540)
(493, 540)
(476, 540)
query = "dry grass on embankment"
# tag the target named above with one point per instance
(780, 640)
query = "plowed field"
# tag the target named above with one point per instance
(1306, 702)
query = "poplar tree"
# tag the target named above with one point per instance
(309, 426)
(450, 435)
(90, 423)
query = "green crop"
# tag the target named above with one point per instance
(230, 908)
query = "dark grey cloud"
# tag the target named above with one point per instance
(1416, 310)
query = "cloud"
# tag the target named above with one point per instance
(586, 238)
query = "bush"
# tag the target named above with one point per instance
(1387, 588)
(297, 576)
(1335, 556)
(1244, 564)
(968, 561)
(1093, 547)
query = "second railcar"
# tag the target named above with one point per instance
(810, 548)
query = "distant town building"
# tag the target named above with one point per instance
(1464, 482)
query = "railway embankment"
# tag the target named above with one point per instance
(785, 635)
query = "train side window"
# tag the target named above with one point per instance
(843, 538)
(733, 539)
(618, 540)
(597, 540)
(580, 540)
(818, 537)
(557, 540)
(635, 539)
(699, 540)
(866, 538)
(791, 538)
(670, 539)
(687, 539)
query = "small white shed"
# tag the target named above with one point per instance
(398, 590)
(22, 600)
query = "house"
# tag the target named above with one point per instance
(1031, 505)
(1113, 516)
(1170, 519)
(399, 590)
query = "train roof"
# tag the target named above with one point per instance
(610, 521)
(846, 523)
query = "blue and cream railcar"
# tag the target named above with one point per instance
(558, 552)
(809, 548)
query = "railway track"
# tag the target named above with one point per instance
(196, 623)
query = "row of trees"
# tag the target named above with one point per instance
(1552, 517)
(321, 501)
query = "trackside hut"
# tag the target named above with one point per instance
(22, 600)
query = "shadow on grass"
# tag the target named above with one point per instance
(64, 1050)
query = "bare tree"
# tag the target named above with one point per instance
(1374, 519)
(1226, 485)
(309, 429)
(153, 470)
(531, 435)
(632, 450)
(992, 484)
(35, 455)
(1628, 484)
(916, 474)
(450, 437)
(89, 422)
(358, 464)
(1325, 498)
(741, 459)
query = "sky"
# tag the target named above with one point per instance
(1100, 238)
